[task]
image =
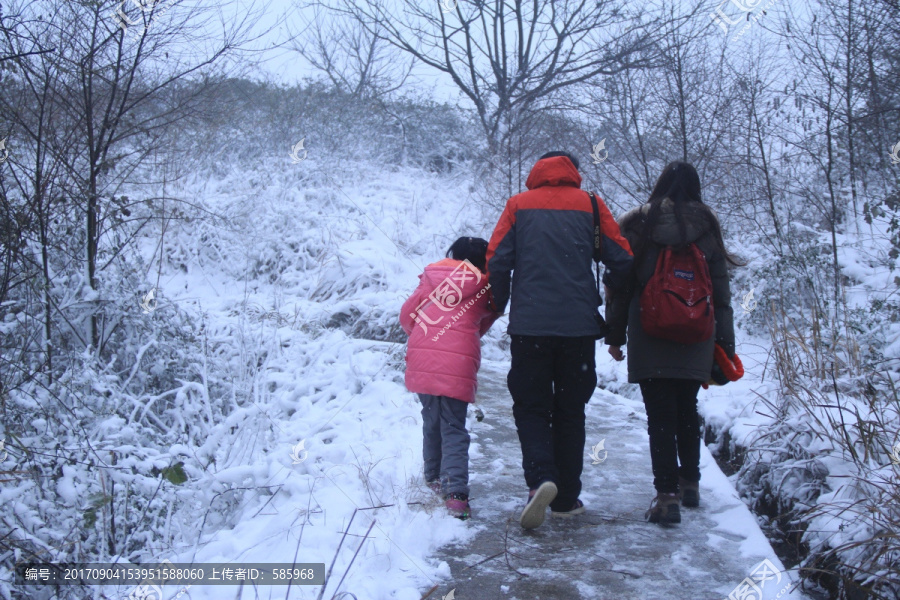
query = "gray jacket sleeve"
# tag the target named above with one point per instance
(618, 299)
(718, 271)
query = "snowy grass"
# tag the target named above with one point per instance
(263, 403)
(812, 425)
(303, 288)
(276, 339)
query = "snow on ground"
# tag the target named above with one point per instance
(301, 271)
(610, 551)
(300, 261)
(733, 407)
(799, 457)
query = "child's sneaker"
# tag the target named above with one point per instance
(434, 485)
(538, 500)
(458, 505)
(577, 509)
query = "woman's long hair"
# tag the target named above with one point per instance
(680, 183)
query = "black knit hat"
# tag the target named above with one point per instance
(561, 153)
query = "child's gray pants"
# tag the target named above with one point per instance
(445, 442)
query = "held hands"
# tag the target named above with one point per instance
(616, 353)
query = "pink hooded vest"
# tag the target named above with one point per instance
(445, 318)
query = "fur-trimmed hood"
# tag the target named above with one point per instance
(698, 221)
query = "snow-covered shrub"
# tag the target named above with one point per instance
(822, 470)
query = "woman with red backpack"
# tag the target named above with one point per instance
(677, 309)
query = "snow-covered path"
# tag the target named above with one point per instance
(610, 552)
(318, 427)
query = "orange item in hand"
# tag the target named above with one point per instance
(724, 369)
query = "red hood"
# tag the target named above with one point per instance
(554, 171)
(467, 279)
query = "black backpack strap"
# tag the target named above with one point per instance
(598, 241)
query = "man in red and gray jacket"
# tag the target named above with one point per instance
(546, 236)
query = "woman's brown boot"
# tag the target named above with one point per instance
(664, 509)
(690, 493)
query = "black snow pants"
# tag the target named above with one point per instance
(674, 428)
(551, 380)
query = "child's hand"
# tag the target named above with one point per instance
(616, 353)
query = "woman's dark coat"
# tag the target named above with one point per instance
(650, 357)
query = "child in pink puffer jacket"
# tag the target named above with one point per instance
(445, 318)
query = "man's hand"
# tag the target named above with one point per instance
(616, 353)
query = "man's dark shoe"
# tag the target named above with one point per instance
(577, 509)
(690, 493)
(664, 510)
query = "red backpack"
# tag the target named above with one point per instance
(676, 303)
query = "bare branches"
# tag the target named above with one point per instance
(24, 54)
(357, 61)
(509, 56)
(94, 109)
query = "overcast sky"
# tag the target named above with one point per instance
(288, 66)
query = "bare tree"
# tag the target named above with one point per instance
(681, 108)
(29, 103)
(828, 81)
(357, 61)
(509, 57)
(109, 94)
(10, 26)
